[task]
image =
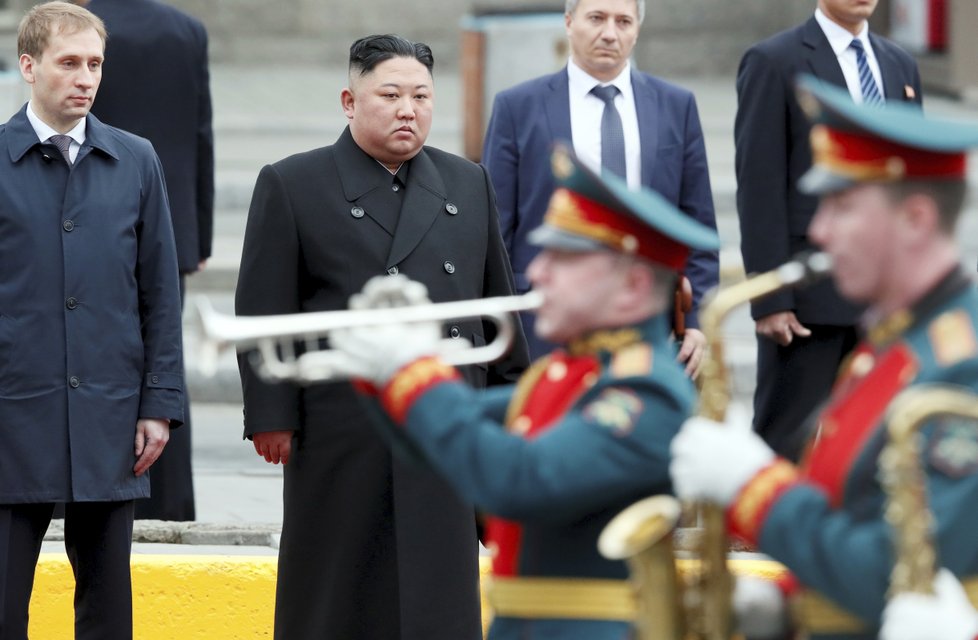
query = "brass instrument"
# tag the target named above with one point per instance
(903, 479)
(705, 594)
(273, 338)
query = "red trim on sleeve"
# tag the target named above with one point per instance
(410, 382)
(749, 510)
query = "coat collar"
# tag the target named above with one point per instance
(22, 138)
(425, 196)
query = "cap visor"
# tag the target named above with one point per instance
(819, 181)
(554, 238)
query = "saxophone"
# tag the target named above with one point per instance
(904, 482)
(701, 603)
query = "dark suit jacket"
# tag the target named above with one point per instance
(528, 118)
(371, 548)
(155, 83)
(773, 151)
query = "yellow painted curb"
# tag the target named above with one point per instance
(210, 597)
(174, 597)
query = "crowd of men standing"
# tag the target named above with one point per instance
(595, 194)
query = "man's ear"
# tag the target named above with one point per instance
(347, 101)
(921, 214)
(27, 68)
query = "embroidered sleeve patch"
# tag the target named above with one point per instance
(615, 409)
(954, 448)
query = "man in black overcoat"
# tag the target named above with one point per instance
(372, 547)
(803, 334)
(156, 84)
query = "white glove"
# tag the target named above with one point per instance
(712, 461)
(376, 352)
(760, 608)
(946, 615)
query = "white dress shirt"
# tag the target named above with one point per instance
(840, 39)
(43, 131)
(586, 110)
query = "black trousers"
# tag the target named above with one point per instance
(98, 540)
(794, 381)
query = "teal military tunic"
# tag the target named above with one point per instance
(584, 434)
(828, 526)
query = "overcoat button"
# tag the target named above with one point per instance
(74, 382)
(392, 271)
(356, 212)
(67, 225)
(396, 187)
(449, 267)
(451, 209)
(455, 332)
(155, 379)
(71, 302)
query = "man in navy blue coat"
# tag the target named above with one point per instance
(91, 361)
(803, 334)
(664, 147)
(156, 84)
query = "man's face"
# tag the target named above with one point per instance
(65, 77)
(602, 34)
(389, 110)
(577, 291)
(851, 14)
(861, 229)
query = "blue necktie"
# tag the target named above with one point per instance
(867, 83)
(612, 134)
(62, 143)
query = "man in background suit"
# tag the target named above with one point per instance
(803, 334)
(663, 142)
(371, 547)
(156, 85)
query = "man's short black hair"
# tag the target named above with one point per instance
(366, 53)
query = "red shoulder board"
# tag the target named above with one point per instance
(853, 414)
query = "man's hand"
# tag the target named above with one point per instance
(713, 461)
(692, 352)
(152, 434)
(760, 609)
(782, 327)
(945, 615)
(375, 353)
(274, 446)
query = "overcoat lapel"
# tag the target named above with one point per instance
(360, 179)
(425, 198)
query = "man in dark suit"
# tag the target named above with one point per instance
(92, 371)
(659, 124)
(804, 334)
(371, 547)
(156, 85)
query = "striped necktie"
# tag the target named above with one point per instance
(63, 143)
(867, 83)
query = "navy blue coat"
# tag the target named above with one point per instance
(89, 314)
(528, 118)
(771, 133)
(156, 84)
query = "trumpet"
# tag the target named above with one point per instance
(272, 339)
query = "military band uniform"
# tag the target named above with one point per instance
(584, 434)
(825, 521)
(371, 547)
